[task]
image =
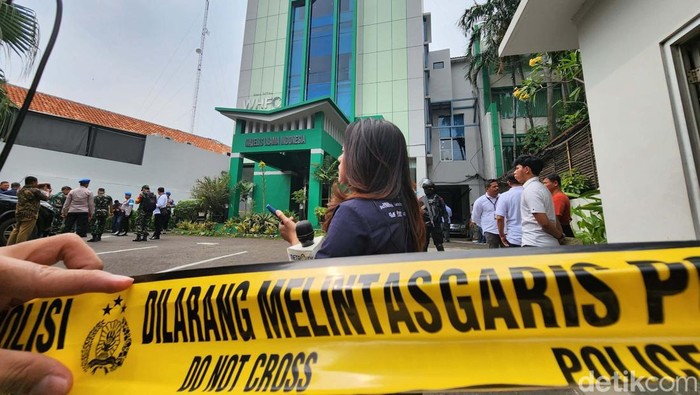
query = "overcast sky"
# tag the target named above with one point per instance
(138, 58)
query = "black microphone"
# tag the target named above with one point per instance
(305, 233)
(308, 244)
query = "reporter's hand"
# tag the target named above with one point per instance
(25, 274)
(288, 228)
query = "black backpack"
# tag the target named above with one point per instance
(148, 202)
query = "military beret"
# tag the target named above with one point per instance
(84, 181)
(167, 193)
(145, 187)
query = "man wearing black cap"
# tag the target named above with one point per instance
(78, 209)
(147, 203)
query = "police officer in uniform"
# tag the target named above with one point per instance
(78, 209)
(434, 215)
(103, 203)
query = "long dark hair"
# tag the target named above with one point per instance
(375, 161)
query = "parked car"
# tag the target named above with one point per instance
(458, 229)
(7, 218)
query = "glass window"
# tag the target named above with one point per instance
(438, 65)
(316, 81)
(508, 155)
(296, 53)
(344, 58)
(320, 50)
(452, 144)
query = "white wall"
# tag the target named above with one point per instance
(166, 163)
(440, 79)
(637, 152)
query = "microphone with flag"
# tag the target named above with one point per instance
(308, 244)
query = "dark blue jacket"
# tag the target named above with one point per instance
(367, 227)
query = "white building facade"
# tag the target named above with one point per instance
(641, 63)
(309, 68)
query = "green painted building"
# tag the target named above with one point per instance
(310, 67)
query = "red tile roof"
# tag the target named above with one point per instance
(63, 108)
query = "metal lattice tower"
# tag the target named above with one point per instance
(200, 51)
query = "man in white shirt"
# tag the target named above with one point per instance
(484, 214)
(508, 218)
(158, 217)
(127, 208)
(539, 224)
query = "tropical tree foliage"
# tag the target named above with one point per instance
(486, 24)
(213, 193)
(327, 172)
(299, 197)
(557, 70)
(245, 189)
(19, 34)
(187, 210)
(535, 139)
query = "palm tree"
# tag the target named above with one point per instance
(19, 33)
(486, 24)
(214, 193)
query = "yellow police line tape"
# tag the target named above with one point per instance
(382, 324)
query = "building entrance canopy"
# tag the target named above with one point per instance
(293, 140)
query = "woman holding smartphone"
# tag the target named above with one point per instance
(377, 211)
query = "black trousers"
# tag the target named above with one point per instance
(436, 233)
(158, 221)
(568, 232)
(80, 220)
(124, 223)
(166, 219)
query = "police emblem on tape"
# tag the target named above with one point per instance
(108, 343)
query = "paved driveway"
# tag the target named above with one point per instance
(175, 252)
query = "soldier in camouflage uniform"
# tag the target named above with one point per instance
(103, 203)
(28, 202)
(144, 213)
(56, 202)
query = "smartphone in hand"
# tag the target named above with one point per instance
(272, 210)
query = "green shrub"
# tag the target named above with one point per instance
(320, 213)
(591, 225)
(573, 183)
(258, 224)
(214, 195)
(187, 210)
(535, 139)
(207, 228)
